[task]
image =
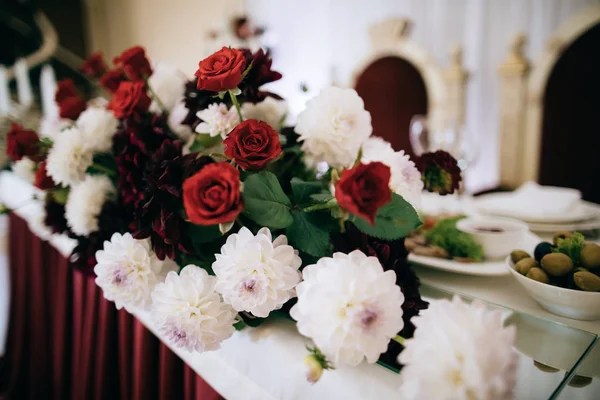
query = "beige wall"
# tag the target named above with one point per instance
(173, 31)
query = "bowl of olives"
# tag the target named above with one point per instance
(563, 276)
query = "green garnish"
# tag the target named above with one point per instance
(571, 246)
(458, 244)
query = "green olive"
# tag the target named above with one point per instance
(561, 235)
(587, 281)
(579, 381)
(525, 265)
(590, 255)
(538, 274)
(518, 255)
(544, 367)
(557, 264)
(580, 269)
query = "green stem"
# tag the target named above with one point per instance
(236, 104)
(157, 99)
(103, 169)
(323, 206)
(399, 339)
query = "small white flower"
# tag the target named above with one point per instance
(269, 110)
(128, 270)
(51, 127)
(25, 169)
(85, 203)
(168, 83)
(69, 157)
(333, 127)
(459, 351)
(406, 178)
(217, 120)
(176, 117)
(255, 273)
(98, 126)
(349, 307)
(190, 313)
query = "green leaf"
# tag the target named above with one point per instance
(321, 197)
(393, 221)
(203, 233)
(302, 190)
(265, 202)
(308, 233)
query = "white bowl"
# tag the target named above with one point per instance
(575, 304)
(496, 245)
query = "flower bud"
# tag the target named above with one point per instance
(314, 368)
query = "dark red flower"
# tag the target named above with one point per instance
(363, 189)
(42, 180)
(196, 100)
(221, 71)
(440, 172)
(22, 143)
(252, 144)
(65, 89)
(130, 98)
(94, 66)
(72, 107)
(112, 79)
(259, 75)
(55, 216)
(134, 63)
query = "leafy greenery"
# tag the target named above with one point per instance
(303, 191)
(309, 233)
(571, 246)
(265, 202)
(322, 197)
(393, 221)
(455, 242)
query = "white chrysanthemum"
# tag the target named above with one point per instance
(176, 117)
(51, 127)
(406, 178)
(98, 126)
(190, 313)
(69, 157)
(269, 110)
(349, 307)
(85, 203)
(255, 273)
(25, 169)
(128, 270)
(217, 120)
(459, 351)
(333, 127)
(168, 83)
(37, 216)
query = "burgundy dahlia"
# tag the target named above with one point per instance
(440, 172)
(196, 100)
(260, 74)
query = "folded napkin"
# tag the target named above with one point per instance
(535, 201)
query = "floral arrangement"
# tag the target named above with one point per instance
(193, 199)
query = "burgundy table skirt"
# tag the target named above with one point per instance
(66, 341)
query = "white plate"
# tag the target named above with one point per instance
(486, 268)
(573, 226)
(582, 212)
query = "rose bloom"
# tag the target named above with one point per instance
(112, 79)
(134, 63)
(221, 71)
(42, 180)
(22, 143)
(212, 195)
(94, 66)
(71, 107)
(363, 189)
(252, 144)
(131, 97)
(65, 88)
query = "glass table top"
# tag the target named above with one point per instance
(555, 360)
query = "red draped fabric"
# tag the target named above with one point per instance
(65, 341)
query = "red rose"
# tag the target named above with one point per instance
(71, 107)
(64, 89)
(363, 189)
(252, 144)
(42, 180)
(221, 71)
(131, 97)
(94, 66)
(212, 195)
(112, 79)
(22, 143)
(134, 63)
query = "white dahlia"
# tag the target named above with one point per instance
(406, 178)
(217, 120)
(128, 270)
(349, 307)
(168, 83)
(459, 351)
(85, 203)
(51, 127)
(333, 127)
(69, 157)
(190, 313)
(25, 169)
(36, 220)
(176, 117)
(255, 273)
(98, 126)
(269, 110)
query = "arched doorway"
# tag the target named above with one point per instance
(393, 91)
(570, 148)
